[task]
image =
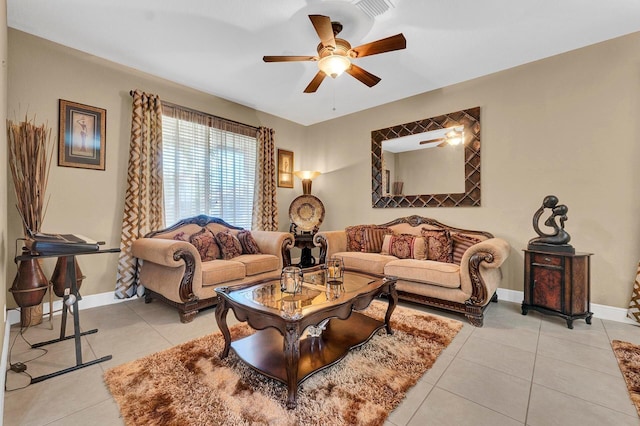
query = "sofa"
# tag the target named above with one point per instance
(184, 263)
(435, 264)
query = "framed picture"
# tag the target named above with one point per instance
(285, 168)
(82, 136)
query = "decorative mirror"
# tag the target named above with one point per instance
(435, 160)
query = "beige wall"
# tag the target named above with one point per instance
(4, 256)
(90, 202)
(566, 125)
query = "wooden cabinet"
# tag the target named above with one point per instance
(557, 284)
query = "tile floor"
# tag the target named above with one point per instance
(516, 370)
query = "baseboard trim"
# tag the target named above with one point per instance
(611, 313)
(91, 301)
(606, 312)
(3, 364)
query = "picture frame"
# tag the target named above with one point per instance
(285, 168)
(82, 136)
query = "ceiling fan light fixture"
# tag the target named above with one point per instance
(334, 65)
(454, 137)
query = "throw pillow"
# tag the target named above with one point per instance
(440, 245)
(461, 243)
(354, 237)
(248, 243)
(372, 237)
(405, 246)
(229, 245)
(206, 244)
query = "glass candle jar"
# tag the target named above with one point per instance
(290, 279)
(334, 270)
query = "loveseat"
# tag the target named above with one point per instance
(183, 264)
(435, 264)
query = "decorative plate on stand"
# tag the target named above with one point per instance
(306, 213)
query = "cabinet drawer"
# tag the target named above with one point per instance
(547, 259)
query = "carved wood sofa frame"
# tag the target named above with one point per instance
(474, 307)
(191, 304)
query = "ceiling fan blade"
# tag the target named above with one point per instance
(444, 143)
(364, 76)
(289, 58)
(323, 27)
(389, 44)
(315, 83)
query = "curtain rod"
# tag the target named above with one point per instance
(201, 112)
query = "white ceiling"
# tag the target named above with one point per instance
(216, 46)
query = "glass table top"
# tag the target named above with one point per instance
(315, 293)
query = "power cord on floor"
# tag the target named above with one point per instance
(21, 367)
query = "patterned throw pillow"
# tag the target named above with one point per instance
(372, 237)
(405, 246)
(206, 244)
(248, 243)
(440, 245)
(229, 245)
(461, 243)
(354, 237)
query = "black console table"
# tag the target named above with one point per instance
(71, 288)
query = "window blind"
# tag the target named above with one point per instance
(208, 168)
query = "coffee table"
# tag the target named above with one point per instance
(300, 334)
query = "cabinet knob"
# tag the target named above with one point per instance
(547, 259)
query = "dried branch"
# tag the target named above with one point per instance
(30, 158)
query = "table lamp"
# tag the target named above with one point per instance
(307, 177)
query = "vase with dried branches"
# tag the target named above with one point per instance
(30, 155)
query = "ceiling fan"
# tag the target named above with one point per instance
(453, 136)
(335, 54)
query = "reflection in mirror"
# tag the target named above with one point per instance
(433, 162)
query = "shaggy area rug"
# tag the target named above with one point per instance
(628, 356)
(188, 384)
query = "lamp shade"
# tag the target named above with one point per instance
(306, 174)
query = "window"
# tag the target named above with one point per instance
(209, 166)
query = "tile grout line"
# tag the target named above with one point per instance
(462, 396)
(533, 373)
(443, 372)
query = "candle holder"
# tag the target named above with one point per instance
(334, 271)
(291, 279)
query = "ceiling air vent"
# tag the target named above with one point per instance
(374, 8)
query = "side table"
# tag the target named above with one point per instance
(557, 284)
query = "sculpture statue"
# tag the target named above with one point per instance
(559, 239)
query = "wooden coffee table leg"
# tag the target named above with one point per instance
(221, 319)
(393, 301)
(292, 357)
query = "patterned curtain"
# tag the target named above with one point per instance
(143, 204)
(265, 205)
(634, 303)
